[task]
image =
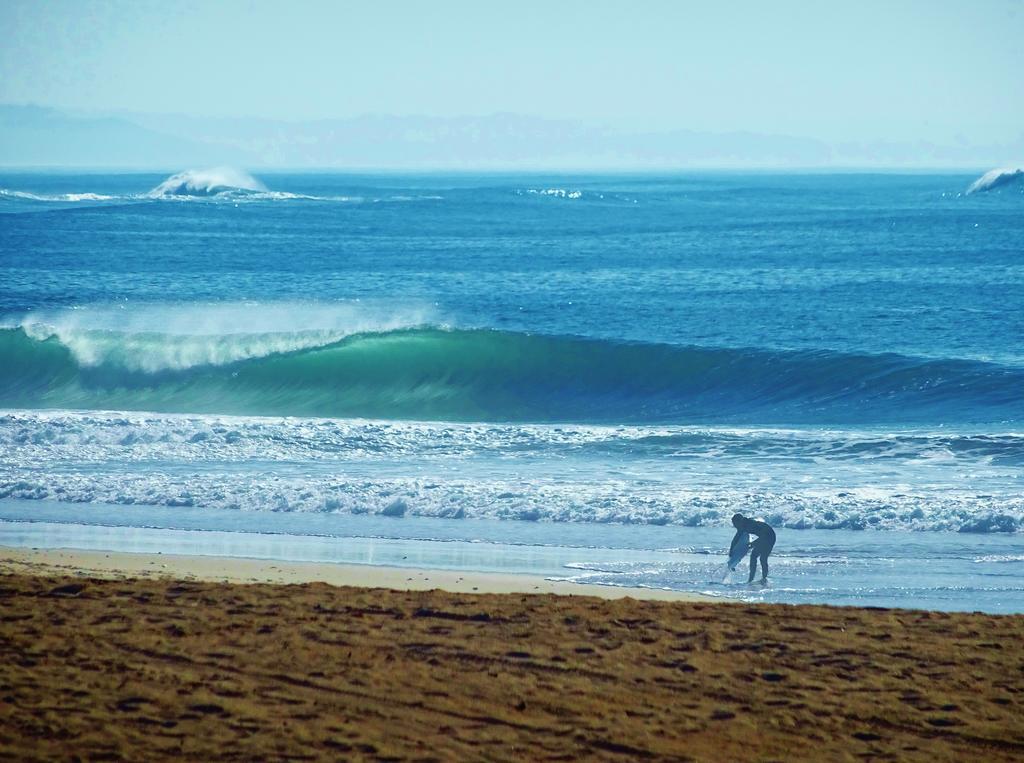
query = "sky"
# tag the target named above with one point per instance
(899, 70)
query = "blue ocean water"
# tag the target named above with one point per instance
(836, 352)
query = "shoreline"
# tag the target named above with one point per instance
(56, 562)
(940, 572)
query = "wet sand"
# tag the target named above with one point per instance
(151, 668)
(222, 569)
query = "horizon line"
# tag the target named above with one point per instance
(845, 169)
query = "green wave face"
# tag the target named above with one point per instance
(466, 375)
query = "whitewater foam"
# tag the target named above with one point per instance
(266, 489)
(209, 194)
(68, 197)
(561, 193)
(554, 473)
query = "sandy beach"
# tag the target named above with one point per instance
(132, 660)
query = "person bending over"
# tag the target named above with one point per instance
(760, 548)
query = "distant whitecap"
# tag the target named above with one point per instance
(208, 182)
(997, 178)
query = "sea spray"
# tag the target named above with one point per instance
(167, 337)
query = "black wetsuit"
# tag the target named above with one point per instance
(762, 547)
(765, 535)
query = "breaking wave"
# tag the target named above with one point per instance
(208, 182)
(428, 373)
(997, 178)
(222, 185)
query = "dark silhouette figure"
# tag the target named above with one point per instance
(760, 548)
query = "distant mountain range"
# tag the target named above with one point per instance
(34, 136)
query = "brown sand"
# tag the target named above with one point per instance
(143, 669)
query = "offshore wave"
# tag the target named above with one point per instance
(209, 182)
(235, 196)
(487, 375)
(997, 178)
(219, 184)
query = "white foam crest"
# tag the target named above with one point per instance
(996, 178)
(561, 193)
(282, 196)
(424, 197)
(86, 197)
(177, 189)
(237, 197)
(72, 197)
(155, 338)
(287, 196)
(151, 353)
(207, 182)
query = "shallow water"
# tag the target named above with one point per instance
(890, 569)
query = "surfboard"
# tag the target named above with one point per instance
(739, 551)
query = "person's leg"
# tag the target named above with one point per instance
(765, 550)
(753, 564)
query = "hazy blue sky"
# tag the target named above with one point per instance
(943, 71)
